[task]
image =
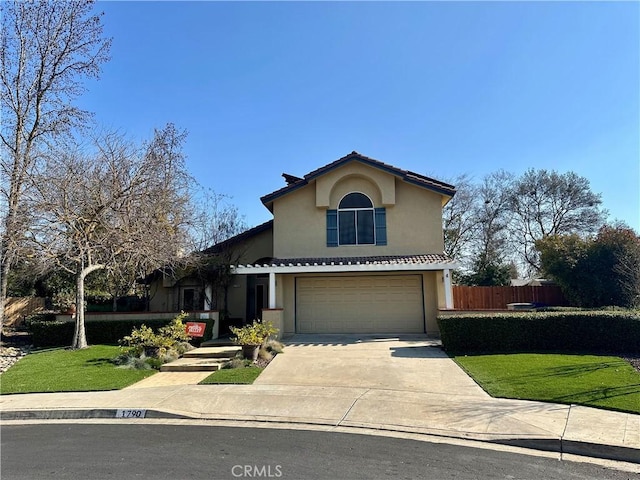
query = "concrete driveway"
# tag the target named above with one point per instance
(387, 362)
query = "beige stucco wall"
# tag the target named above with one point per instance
(287, 283)
(275, 316)
(259, 246)
(161, 297)
(431, 300)
(384, 183)
(165, 294)
(236, 297)
(414, 222)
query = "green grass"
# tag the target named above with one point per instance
(595, 381)
(63, 370)
(244, 375)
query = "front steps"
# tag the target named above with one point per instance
(218, 342)
(213, 352)
(192, 365)
(203, 359)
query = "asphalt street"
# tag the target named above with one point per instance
(139, 451)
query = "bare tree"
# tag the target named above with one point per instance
(628, 270)
(496, 223)
(491, 211)
(124, 207)
(459, 218)
(544, 203)
(46, 48)
(475, 225)
(216, 221)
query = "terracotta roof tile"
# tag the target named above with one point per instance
(373, 260)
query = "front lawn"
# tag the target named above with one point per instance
(245, 375)
(63, 370)
(594, 381)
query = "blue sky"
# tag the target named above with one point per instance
(440, 88)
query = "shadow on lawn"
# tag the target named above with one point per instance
(565, 371)
(594, 395)
(597, 393)
(583, 368)
(100, 362)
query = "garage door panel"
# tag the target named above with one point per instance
(374, 304)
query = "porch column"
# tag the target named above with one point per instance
(272, 290)
(448, 292)
(208, 298)
(211, 314)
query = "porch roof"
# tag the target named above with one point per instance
(349, 264)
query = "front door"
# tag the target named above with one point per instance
(189, 299)
(260, 297)
(257, 296)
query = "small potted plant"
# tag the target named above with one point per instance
(251, 337)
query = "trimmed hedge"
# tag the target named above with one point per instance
(58, 334)
(569, 332)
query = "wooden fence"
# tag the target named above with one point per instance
(16, 308)
(497, 298)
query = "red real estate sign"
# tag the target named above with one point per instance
(196, 329)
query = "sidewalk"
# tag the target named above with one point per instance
(544, 426)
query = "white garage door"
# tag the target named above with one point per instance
(376, 304)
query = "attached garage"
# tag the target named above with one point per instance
(381, 294)
(359, 304)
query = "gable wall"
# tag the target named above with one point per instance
(413, 214)
(259, 246)
(382, 182)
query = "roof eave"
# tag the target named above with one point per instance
(268, 199)
(246, 235)
(443, 191)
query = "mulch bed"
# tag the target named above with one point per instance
(633, 360)
(261, 362)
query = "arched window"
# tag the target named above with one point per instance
(356, 225)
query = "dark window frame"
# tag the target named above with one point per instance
(362, 224)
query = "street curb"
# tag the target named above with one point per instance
(574, 447)
(554, 445)
(80, 414)
(609, 452)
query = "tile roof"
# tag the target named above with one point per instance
(408, 176)
(373, 260)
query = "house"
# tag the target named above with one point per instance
(355, 246)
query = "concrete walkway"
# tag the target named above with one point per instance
(395, 385)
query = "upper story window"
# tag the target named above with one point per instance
(356, 225)
(356, 222)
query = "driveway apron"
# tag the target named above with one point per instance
(387, 362)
